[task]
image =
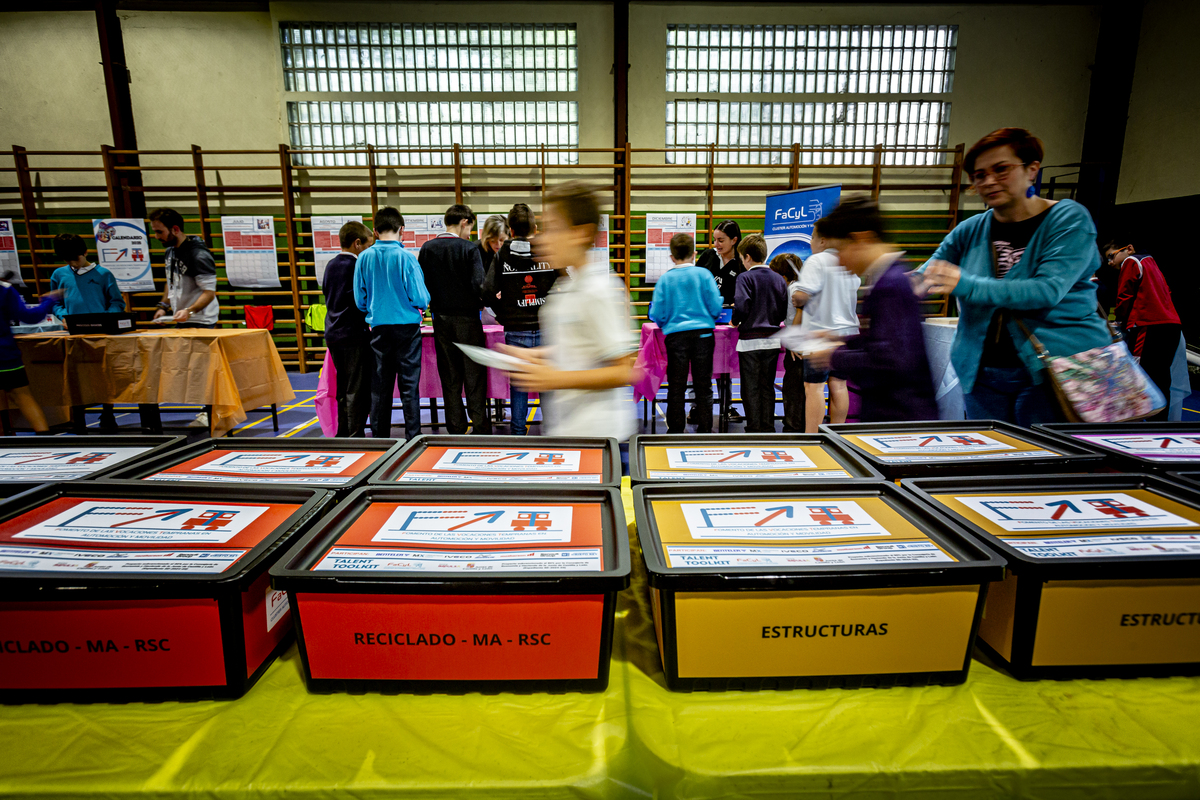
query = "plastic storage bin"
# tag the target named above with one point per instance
(1155, 447)
(114, 593)
(754, 457)
(30, 461)
(509, 459)
(953, 447)
(335, 464)
(460, 589)
(778, 587)
(1103, 572)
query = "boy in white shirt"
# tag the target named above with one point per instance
(828, 293)
(589, 348)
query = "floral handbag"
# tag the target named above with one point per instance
(1103, 384)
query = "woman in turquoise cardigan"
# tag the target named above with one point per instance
(1024, 258)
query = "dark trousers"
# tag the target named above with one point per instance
(397, 350)
(1157, 345)
(455, 369)
(757, 368)
(355, 367)
(1009, 395)
(690, 351)
(793, 393)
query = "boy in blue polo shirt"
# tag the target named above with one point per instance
(88, 289)
(686, 305)
(389, 287)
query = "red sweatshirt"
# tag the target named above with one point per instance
(1143, 297)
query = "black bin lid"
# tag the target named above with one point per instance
(1135, 446)
(1077, 527)
(961, 447)
(316, 463)
(146, 540)
(731, 537)
(464, 540)
(808, 458)
(528, 460)
(31, 460)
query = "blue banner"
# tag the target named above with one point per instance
(790, 217)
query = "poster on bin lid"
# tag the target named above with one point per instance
(315, 466)
(117, 521)
(576, 559)
(123, 248)
(788, 224)
(1157, 447)
(513, 464)
(10, 261)
(738, 459)
(497, 524)
(780, 520)
(929, 445)
(60, 463)
(1072, 511)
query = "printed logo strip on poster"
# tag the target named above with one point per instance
(1098, 546)
(599, 254)
(508, 460)
(10, 261)
(824, 555)
(420, 228)
(467, 477)
(123, 248)
(659, 230)
(738, 459)
(1072, 511)
(34, 559)
(136, 522)
(477, 525)
(1159, 447)
(927, 443)
(251, 261)
(61, 463)
(584, 559)
(327, 241)
(780, 520)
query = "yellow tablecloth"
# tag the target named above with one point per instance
(990, 738)
(231, 370)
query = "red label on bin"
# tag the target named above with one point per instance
(111, 644)
(266, 619)
(452, 637)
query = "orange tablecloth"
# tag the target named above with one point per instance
(231, 370)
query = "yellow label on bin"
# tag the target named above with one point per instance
(853, 632)
(1118, 622)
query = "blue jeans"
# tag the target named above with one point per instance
(520, 400)
(1010, 395)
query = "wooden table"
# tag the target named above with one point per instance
(231, 370)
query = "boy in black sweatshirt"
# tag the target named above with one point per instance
(347, 334)
(760, 305)
(453, 270)
(516, 287)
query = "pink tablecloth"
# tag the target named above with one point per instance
(430, 384)
(651, 366)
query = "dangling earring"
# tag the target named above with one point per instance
(1031, 191)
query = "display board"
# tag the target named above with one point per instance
(327, 241)
(251, 261)
(420, 228)
(659, 230)
(790, 216)
(598, 254)
(123, 248)
(10, 262)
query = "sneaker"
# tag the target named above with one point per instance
(201, 420)
(734, 416)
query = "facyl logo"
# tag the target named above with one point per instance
(813, 211)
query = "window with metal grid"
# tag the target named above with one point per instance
(487, 66)
(779, 125)
(472, 124)
(911, 66)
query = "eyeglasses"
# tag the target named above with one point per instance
(1001, 171)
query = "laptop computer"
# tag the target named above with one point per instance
(111, 323)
